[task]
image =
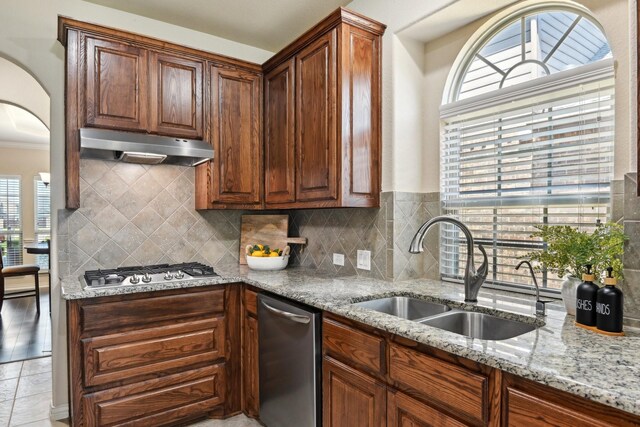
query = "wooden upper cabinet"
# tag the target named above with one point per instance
(337, 104)
(361, 117)
(115, 87)
(279, 138)
(236, 136)
(175, 96)
(316, 131)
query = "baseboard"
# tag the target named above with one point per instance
(59, 412)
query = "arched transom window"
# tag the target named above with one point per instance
(527, 137)
(531, 46)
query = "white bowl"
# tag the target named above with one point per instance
(268, 263)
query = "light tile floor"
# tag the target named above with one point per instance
(25, 396)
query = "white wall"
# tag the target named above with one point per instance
(28, 32)
(18, 87)
(616, 18)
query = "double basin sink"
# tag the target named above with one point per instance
(470, 324)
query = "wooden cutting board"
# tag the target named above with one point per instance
(272, 230)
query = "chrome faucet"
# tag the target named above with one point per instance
(540, 304)
(473, 279)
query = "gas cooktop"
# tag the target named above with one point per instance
(145, 275)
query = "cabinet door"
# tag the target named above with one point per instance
(403, 411)
(176, 95)
(316, 129)
(236, 135)
(115, 85)
(361, 111)
(279, 128)
(250, 370)
(351, 398)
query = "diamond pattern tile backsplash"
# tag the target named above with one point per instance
(386, 232)
(134, 214)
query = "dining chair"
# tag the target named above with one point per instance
(19, 271)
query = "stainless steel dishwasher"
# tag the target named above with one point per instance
(290, 363)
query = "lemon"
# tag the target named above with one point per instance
(257, 253)
(273, 254)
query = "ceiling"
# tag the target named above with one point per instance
(453, 16)
(21, 129)
(244, 21)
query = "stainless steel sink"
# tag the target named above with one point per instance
(478, 325)
(404, 307)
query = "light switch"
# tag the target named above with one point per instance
(338, 259)
(364, 260)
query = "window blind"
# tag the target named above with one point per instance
(532, 154)
(10, 220)
(42, 218)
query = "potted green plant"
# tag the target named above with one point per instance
(567, 250)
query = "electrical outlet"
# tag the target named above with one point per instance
(364, 260)
(338, 259)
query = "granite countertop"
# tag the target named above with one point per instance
(557, 353)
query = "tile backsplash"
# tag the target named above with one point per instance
(631, 220)
(385, 231)
(133, 214)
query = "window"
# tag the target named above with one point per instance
(42, 216)
(527, 139)
(10, 220)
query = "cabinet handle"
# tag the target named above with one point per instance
(285, 314)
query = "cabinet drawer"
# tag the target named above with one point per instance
(524, 409)
(350, 345)
(460, 391)
(251, 302)
(128, 312)
(117, 357)
(403, 411)
(159, 401)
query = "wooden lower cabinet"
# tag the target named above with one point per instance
(155, 358)
(404, 411)
(529, 404)
(426, 387)
(250, 354)
(454, 388)
(351, 398)
(157, 402)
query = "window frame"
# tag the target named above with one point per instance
(452, 106)
(42, 260)
(21, 216)
(494, 26)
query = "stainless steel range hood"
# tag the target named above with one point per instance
(142, 148)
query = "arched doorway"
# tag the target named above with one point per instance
(25, 215)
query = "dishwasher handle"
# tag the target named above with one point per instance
(285, 314)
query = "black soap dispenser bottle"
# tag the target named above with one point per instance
(586, 300)
(609, 304)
